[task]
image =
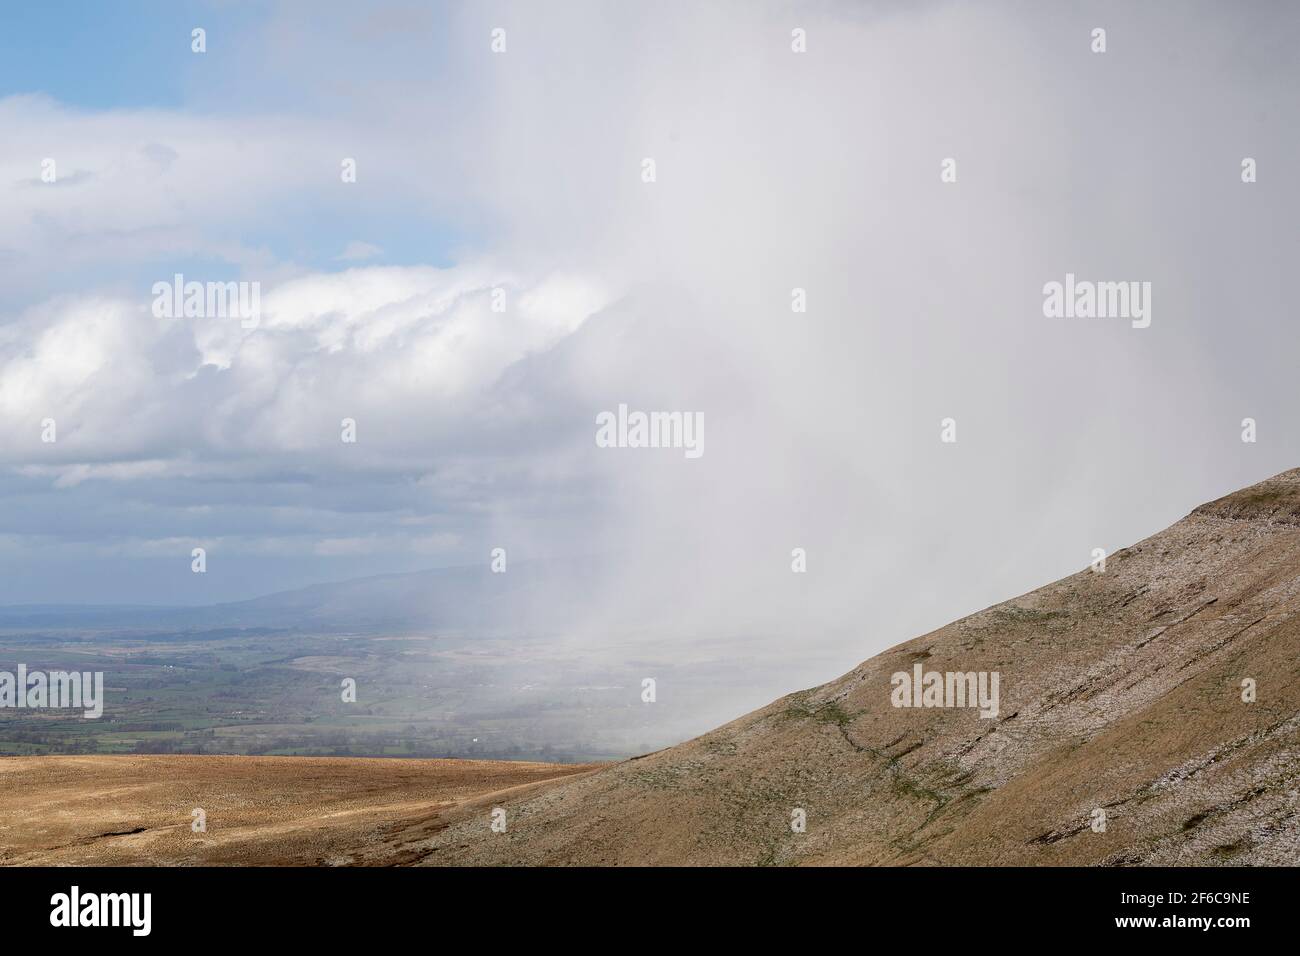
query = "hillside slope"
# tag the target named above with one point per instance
(1121, 691)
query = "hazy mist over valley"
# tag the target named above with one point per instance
(457, 662)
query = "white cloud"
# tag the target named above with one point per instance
(397, 349)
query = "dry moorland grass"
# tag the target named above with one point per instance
(259, 810)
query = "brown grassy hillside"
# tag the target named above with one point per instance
(1120, 690)
(94, 811)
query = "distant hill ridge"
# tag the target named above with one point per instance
(454, 597)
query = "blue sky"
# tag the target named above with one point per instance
(125, 54)
(133, 56)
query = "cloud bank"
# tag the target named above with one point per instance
(774, 171)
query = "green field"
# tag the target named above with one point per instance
(279, 692)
